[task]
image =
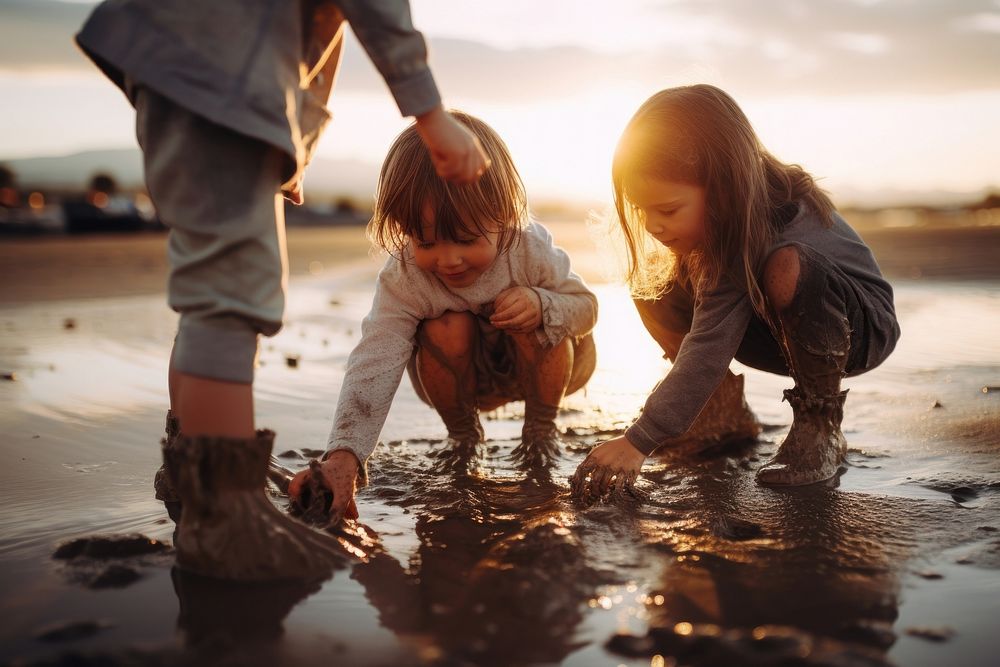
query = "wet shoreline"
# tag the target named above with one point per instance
(896, 563)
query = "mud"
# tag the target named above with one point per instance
(742, 574)
(503, 567)
(111, 561)
(70, 631)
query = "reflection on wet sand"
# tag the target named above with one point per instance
(223, 620)
(498, 578)
(497, 569)
(747, 575)
(753, 575)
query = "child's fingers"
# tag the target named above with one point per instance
(579, 478)
(517, 321)
(599, 481)
(506, 316)
(623, 480)
(340, 508)
(523, 324)
(504, 300)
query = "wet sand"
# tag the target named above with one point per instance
(894, 563)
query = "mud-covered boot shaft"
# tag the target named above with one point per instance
(815, 338)
(814, 448)
(725, 419)
(162, 486)
(229, 529)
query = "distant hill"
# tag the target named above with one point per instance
(328, 179)
(325, 179)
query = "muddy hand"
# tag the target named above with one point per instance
(612, 466)
(327, 488)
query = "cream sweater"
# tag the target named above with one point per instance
(405, 295)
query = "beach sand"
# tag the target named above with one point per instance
(896, 562)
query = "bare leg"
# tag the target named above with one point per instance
(448, 377)
(213, 407)
(544, 374)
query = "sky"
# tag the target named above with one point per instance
(873, 97)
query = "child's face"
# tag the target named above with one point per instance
(674, 213)
(457, 263)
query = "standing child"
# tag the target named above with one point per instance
(758, 267)
(475, 302)
(230, 99)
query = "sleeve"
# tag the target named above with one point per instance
(720, 322)
(375, 367)
(397, 50)
(569, 308)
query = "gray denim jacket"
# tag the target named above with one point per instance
(264, 68)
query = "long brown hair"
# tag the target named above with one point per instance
(698, 135)
(408, 184)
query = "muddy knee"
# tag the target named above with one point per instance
(451, 336)
(781, 277)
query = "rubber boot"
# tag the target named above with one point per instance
(814, 448)
(726, 418)
(540, 445)
(462, 452)
(229, 529)
(162, 486)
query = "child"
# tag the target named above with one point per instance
(759, 267)
(230, 101)
(474, 302)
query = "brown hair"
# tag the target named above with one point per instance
(698, 135)
(408, 183)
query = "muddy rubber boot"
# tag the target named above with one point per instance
(462, 451)
(229, 529)
(814, 448)
(540, 445)
(726, 418)
(162, 486)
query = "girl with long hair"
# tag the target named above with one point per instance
(734, 254)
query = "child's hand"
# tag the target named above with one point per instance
(455, 151)
(340, 472)
(517, 309)
(296, 193)
(613, 464)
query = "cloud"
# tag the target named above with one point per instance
(38, 34)
(819, 47)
